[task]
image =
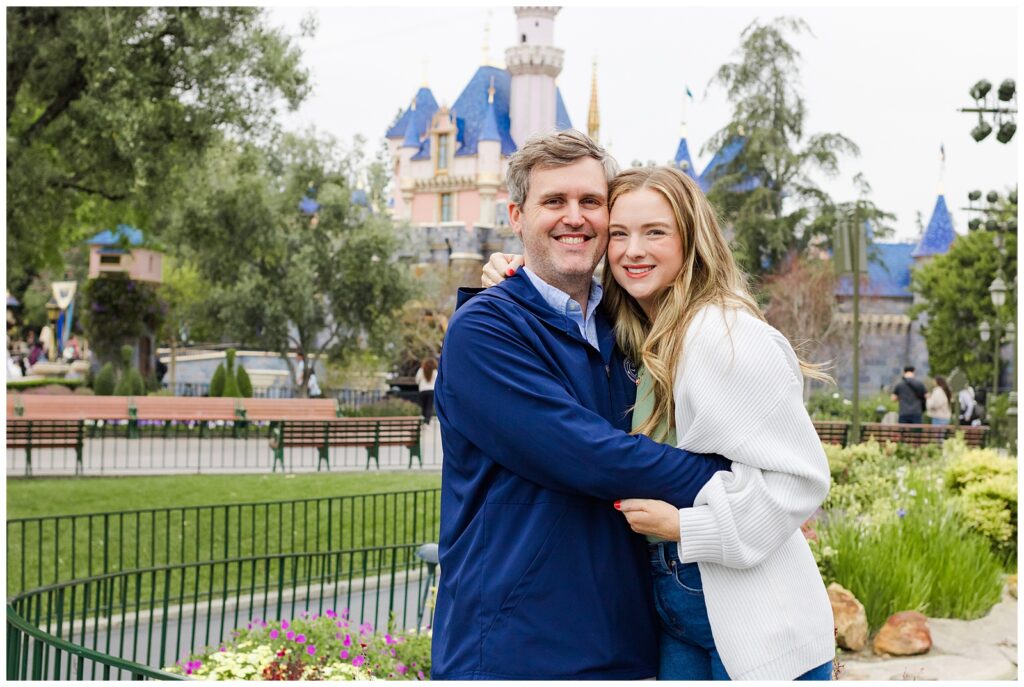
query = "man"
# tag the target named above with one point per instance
(540, 576)
(911, 395)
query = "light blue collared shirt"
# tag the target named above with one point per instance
(560, 302)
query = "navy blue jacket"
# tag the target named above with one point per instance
(540, 576)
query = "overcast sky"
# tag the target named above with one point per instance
(891, 79)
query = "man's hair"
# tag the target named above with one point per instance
(908, 368)
(545, 151)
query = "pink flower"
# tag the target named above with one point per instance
(331, 613)
(402, 669)
(388, 639)
(284, 624)
(358, 661)
(301, 639)
(348, 640)
(420, 675)
(343, 654)
(291, 634)
(274, 634)
(310, 649)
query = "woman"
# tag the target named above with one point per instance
(736, 587)
(425, 378)
(938, 402)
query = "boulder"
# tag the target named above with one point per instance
(850, 619)
(904, 634)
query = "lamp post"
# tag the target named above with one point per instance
(52, 313)
(1003, 114)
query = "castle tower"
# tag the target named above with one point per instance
(489, 161)
(534, 63)
(594, 116)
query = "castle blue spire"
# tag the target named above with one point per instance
(490, 131)
(682, 158)
(421, 109)
(412, 137)
(939, 234)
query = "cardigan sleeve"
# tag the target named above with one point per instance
(739, 389)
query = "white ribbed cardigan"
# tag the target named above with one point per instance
(738, 393)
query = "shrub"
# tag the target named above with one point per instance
(106, 380)
(244, 383)
(920, 556)
(217, 382)
(22, 384)
(324, 647)
(832, 405)
(390, 407)
(984, 484)
(136, 384)
(124, 385)
(230, 380)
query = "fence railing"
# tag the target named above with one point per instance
(53, 549)
(112, 447)
(132, 624)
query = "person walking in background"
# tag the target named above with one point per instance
(938, 402)
(425, 378)
(911, 395)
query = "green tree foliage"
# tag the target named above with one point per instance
(106, 380)
(954, 289)
(277, 277)
(230, 377)
(217, 382)
(767, 194)
(110, 108)
(119, 309)
(244, 383)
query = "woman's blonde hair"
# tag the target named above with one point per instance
(709, 276)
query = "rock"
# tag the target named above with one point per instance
(1011, 584)
(850, 619)
(904, 634)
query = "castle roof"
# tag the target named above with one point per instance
(425, 108)
(889, 266)
(114, 237)
(939, 234)
(683, 160)
(720, 162)
(471, 115)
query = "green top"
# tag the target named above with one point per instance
(641, 411)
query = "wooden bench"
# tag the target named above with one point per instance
(832, 431)
(364, 432)
(919, 435)
(30, 434)
(264, 409)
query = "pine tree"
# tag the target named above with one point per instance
(230, 380)
(217, 382)
(244, 383)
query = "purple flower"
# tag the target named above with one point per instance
(331, 613)
(274, 634)
(402, 669)
(388, 639)
(284, 624)
(310, 649)
(343, 654)
(344, 613)
(348, 640)
(301, 639)
(358, 661)
(393, 654)
(337, 635)
(420, 675)
(901, 512)
(223, 649)
(291, 634)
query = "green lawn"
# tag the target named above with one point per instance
(41, 496)
(308, 512)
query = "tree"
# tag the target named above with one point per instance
(119, 309)
(109, 108)
(955, 298)
(802, 305)
(282, 279)
(767, 193)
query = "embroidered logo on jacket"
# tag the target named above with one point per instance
(631, 370)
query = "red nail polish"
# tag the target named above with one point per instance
(618, 505)
(509, 272)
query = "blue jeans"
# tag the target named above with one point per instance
(940, 421)
(687, 648)
(910, 418)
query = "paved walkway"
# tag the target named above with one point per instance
(982, 649)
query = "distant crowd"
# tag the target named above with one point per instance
(23, 354)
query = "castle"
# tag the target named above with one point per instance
(448, 170)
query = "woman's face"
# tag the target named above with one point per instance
(645, 250)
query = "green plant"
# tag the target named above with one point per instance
(832, 405)
(390, 407)
(230, 380)
(984, 485)
(316, 647)
(998, 421)
(22, 384)
(217, 382)
(118, 309)
(244, 383)
(920, 556)
(106, 380)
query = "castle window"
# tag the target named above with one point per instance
(442, 151)
(446, 207)
(110, 259)
(524, 38)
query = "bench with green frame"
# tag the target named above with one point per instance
(919, 435)
(36, 434)
(363, 432)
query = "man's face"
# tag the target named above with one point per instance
(564, 221)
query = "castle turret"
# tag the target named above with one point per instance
(409, 147)
(534, 63)
(489, 161)
(593, 116)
